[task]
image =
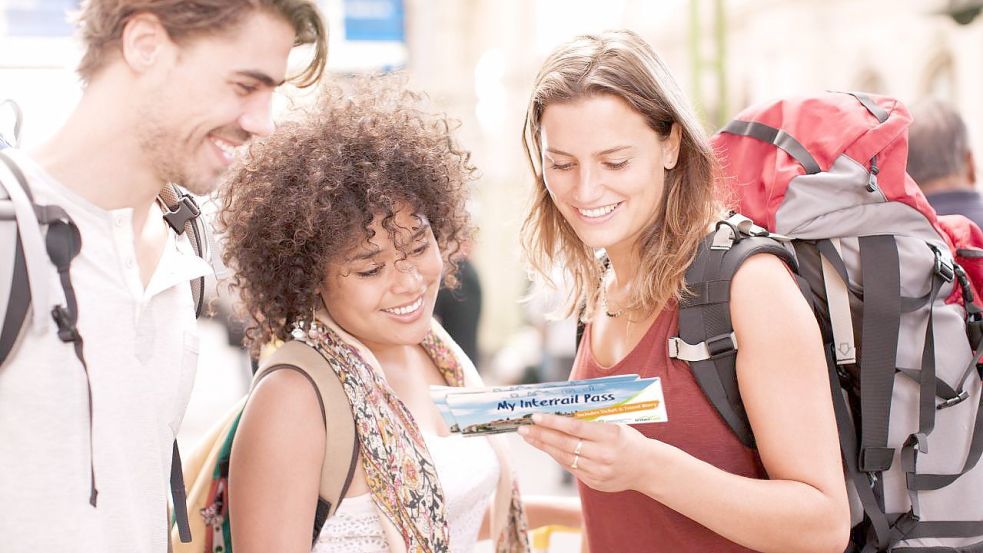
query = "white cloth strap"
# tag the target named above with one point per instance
(838, 299)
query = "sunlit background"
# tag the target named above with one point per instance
(477, 60)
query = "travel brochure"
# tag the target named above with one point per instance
(615, 399)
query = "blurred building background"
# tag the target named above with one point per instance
(477, 60)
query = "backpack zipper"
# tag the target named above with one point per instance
(872, 175)
(872, 186)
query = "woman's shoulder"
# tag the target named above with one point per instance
(761, 274)
(284, 401)
(765, 298)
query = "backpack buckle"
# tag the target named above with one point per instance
(185, 210)
(721, 345)
(67, 331)
(963, 396)
(943, 267)
(737, 228)
(907, 523)
(724, 237)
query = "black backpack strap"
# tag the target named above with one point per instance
(324, 507)
(706, 335)
(179, 496)
(878, 525)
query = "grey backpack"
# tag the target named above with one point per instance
(895, 290)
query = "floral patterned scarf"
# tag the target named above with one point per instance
(399, 470)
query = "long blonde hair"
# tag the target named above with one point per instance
(622, 64)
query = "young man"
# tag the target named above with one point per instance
(941, 161)
(173, 89)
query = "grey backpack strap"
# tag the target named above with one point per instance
(15, 288)
(706, 334)
(14, 139)
(183, 215)
(879, 342)
(341, 445)
(16, 285)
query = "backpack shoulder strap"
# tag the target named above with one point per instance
(15, 288)
(706, 334)
(183, 215)
(14, 139)
(338, 468)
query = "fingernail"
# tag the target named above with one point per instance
(523, 431)
(537, 418)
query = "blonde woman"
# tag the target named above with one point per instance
(622, 165)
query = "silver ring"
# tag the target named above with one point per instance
(580, 444)
(576, 459)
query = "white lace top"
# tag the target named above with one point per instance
(468, 471)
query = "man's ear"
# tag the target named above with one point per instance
(670, 146)
(143, 42)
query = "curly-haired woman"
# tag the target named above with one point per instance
(353, 216)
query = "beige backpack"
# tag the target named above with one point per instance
(207, 470)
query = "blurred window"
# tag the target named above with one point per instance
(37, 18)
(940, 79)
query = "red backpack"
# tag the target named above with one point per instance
(822, 183)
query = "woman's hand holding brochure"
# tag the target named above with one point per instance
(605, 455)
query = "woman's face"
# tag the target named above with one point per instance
(378, 296)
(605, 168)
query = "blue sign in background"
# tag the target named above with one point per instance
(375, 20)
(45, 18)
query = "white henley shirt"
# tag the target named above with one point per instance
(141, 347)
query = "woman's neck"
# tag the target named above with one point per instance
(388, 353)
(624, 265)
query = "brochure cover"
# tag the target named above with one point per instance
(503, 409)
(439, 393)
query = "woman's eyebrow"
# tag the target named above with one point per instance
(369, 254)
(420, 231)
(596, 154)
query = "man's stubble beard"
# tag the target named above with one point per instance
(170, 163)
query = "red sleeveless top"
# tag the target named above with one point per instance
(630, 521)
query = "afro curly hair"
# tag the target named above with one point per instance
(307, 195)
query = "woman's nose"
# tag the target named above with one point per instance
(407, 275)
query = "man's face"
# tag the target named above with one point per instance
(210, 98)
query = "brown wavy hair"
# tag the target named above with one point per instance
(307, 195)
(622, 64)
(101, 24)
